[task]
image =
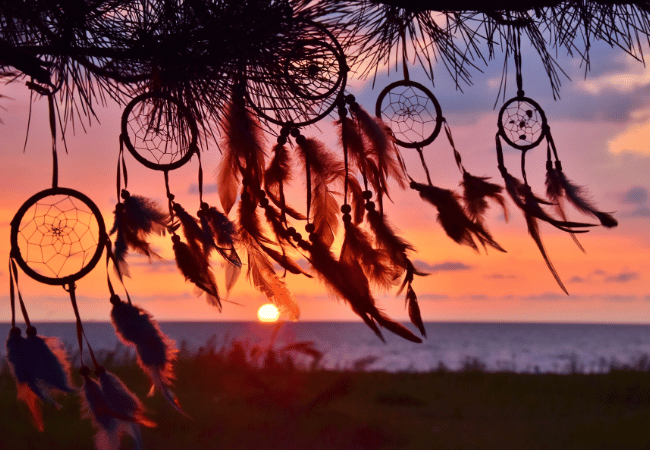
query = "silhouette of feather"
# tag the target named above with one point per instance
(452, 217)
(554, 193)
(386, 238)
(199, 239)
(222, 231)
(121, 399)
(196, 269)
(375, 262)
(350, 133)
(356, 200)
(325, 213)
(135, 219)
(155, 352)
(347, 281)
(414, 310)
(575, 195)
(382, 147)
(277, 175)
(476, 191)
(284, 261)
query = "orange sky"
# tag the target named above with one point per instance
(600, 126)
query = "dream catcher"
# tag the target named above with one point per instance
(57, 237)
(522, 125)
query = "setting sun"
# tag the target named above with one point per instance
(268, 313)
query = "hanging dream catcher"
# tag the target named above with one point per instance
(307, 82)
(522, 124)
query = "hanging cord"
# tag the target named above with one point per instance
(121, 171)
(13, 274)
(523, 167)
(457, 157)
(111, 257)
(405, 68)
(55, 161)
(81, 334)
(517, 58)
(198, 155)
(343, 112)
(170, 197)
(424, 165)
(300, 140)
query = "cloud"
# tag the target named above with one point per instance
(636, 195)
(433, 297)
(447, 266)
(599, 276)
(207, 188)
(623, 277)
(501, 276)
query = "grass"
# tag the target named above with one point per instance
(244, 398)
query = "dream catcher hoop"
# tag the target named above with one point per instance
(412, 113)
(522, 123)
(308, 81)
(159, 131)
(58, 236)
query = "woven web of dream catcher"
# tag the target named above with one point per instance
(58, 235)
(411, 113)
(313, 71)
(522, 123)
(159, 130)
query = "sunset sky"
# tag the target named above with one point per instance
(601, 127)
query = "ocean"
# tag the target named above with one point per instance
(454, 346)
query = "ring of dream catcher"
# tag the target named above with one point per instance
(522, 123)
(312, 75)
(159, 131)
(58, 236)
(411, 111)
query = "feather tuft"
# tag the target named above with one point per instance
(414, 310)
(476, 191)
(196, 269)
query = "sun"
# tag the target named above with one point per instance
(268, 313)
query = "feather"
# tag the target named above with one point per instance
(356, 200)
(414, 310)
(386, 238)
(273, 218)
(121, 399)
(249, 222)
(135, 219)
(453, 219)
(199, 239)
(284, 261)
(382, 146)
(155, 352)
(196, 269)
(223, 232)
(347, 281)
(50, 365)
(350, 134)
(476, 191)
(554, 193)
(376, 263)
(277, 175)
(325, 210)
(244, 151)
(575, 194)
(528, 202)
(21, 369)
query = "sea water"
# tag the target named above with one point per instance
(514, 347)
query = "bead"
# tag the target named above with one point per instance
(285, 131)
(115, 299)
(99, 370)
(343, 112)
(246, 181)
(15, 331)
(347, 218)
(30, 331)
(345, 209)
(354, 107)
(295, 132)
(313, 237)
(282, 140)
(309, 228)
(176, 239)
(245, 197)
(412, 184)
(261, 193)
(370, 206)
(171, 197)
(291, 231)
(301, 140)
(84, 371)
(200, 213)
(125, 194)
(350, 99)
(367, 195)
(119, 207)
(264, 202)
(297, 237)
(205, 206)
(176, 207)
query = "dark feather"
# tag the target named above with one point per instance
(386, 238)
(155, 351)
(414, 310)
(278, 175)
(351, 134)
(284, 261)
(348, 281)
(196, 269)
(554, 192)
(356, 200)
(476, 192)
(199, 239)
(325, 211)
(222, 235)
(121, 399)
(453, 219)
(575, 194)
